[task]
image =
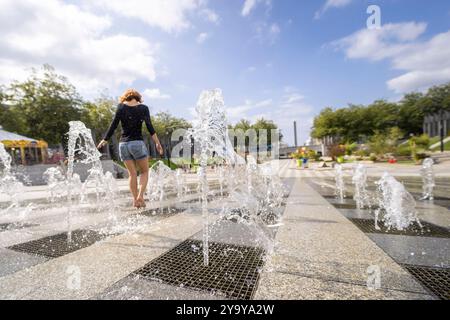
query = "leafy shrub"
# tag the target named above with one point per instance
(350, 148)
(385, 142)
(296, 155)
(420, 142)
(336, 151)
(362, 153)
(403, 151)
(418, 157)
(313, 155)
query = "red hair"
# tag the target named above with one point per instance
(129, 95)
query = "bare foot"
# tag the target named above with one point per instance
(136, 203)
(141, 202)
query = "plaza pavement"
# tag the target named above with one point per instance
(318, 254)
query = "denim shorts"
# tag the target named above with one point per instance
(133, 150)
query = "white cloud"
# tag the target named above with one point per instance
(210, 15)
(76, 42)
(293, 98)
(155, 94)
(424, 63)
(250, 5)
(331, 4)
(274, 29)
(294, 102)
(290, 89)
(202, 37)
(169, 15)
(241, 112)
(291, 107)
(377, 44)
(267, 33)
(264, 31)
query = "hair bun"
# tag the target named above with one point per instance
(130, 93)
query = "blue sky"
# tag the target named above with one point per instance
(280, 59)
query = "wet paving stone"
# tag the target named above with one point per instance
(16, 226)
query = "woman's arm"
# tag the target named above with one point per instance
(112, 128)
(158, 144)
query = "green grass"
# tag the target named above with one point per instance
(446, 146)
(434, 140)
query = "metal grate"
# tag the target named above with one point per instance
(233, 270)
(210, 198)
(344, 205)
(269, 217)
(15, 226)
(166, 212)
(437, 280)
(428, 230)
(57, 245)
(327, 196)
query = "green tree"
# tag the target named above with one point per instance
(98, 115)
(2, 95)
(47, 102)
(263, 124)
(437, 98)
(323, 124)
(165, 123)
(243, 125)
(258, 126)
(385, 142)
(10, 117)
(411, 113)
(358, 122)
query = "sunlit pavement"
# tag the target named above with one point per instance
(318, 254)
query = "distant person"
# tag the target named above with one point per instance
(131, 113)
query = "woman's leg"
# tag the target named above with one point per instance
(143, 178)
(132, 173)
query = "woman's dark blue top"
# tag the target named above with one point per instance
(131, 119)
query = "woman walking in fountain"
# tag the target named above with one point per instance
(131, 113)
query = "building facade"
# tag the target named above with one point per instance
(433, 122)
